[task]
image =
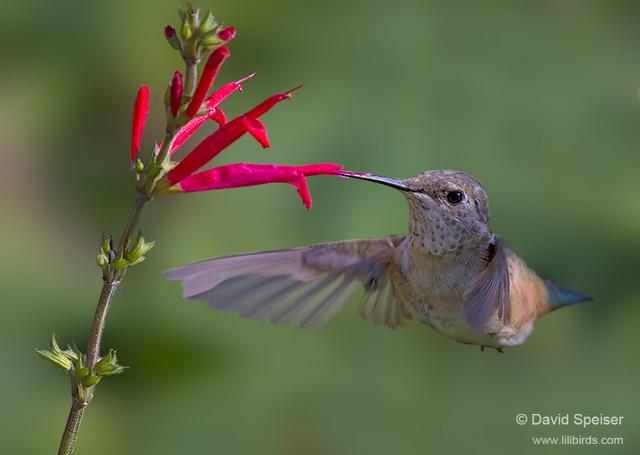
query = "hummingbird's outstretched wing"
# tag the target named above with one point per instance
(491, 291)
(305, 286)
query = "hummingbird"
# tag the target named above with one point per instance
(450, 272)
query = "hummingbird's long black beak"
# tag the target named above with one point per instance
(387, 181)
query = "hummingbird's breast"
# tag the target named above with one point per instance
(433, 291)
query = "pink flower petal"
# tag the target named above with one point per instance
(217, 115)
(257, 129)
(245, 174)
(219, 95)
(303, 191)
(214, 114)
(214, 62)
(320, 169)
(186, 131)
(193, 125)
(140, 112)
(226, 135)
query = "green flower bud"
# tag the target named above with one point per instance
(108, 365)
(58, 360)
(106, 359)
(117, 370)
(137, 261)
(208, 24)
(102, 260)
(140, 249)
(210, 40)
(172, 38)
(69, 354)
(139, 166)
(107, 245)
(186, 31)
(79, 356)
(81, 373)
(62, 359)
(91, 380)
(120, 264)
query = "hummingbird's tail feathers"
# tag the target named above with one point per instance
(305, 286)
(491, 292)
(559, 296)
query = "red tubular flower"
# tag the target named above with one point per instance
(175, 95)
(219, 95)
(244, 174)
(214, 62)
(227, 33)
(187, 130)
(140, 111)
(225, 136)
(215, 113)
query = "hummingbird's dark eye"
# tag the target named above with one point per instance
(454, 197)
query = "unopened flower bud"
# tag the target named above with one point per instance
(108, 365)
(81, 373)
(175, 95)
(210, 40)
(227, 33)
(140, 249)
(186, 31)
(137, 261)
(120, 264)
(62, 359)
(140, 112)
(102, 260)
(208, 24)
(172, 38)
(91, 380)
(107, 245)
(139, 166)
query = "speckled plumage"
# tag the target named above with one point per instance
(450, 272)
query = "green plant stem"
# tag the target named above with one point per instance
(111, 281)
(71, 429)
(109, 286)
(191, 76)
(99, 319)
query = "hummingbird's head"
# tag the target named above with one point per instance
(449, 210)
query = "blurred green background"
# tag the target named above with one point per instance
(537, 99)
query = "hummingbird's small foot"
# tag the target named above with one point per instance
(482, 348)
(497, 349)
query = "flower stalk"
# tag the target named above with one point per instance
(188, 108)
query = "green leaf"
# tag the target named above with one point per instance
(208, 24)
(120, 264)
(62, 359)
(91, 380)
